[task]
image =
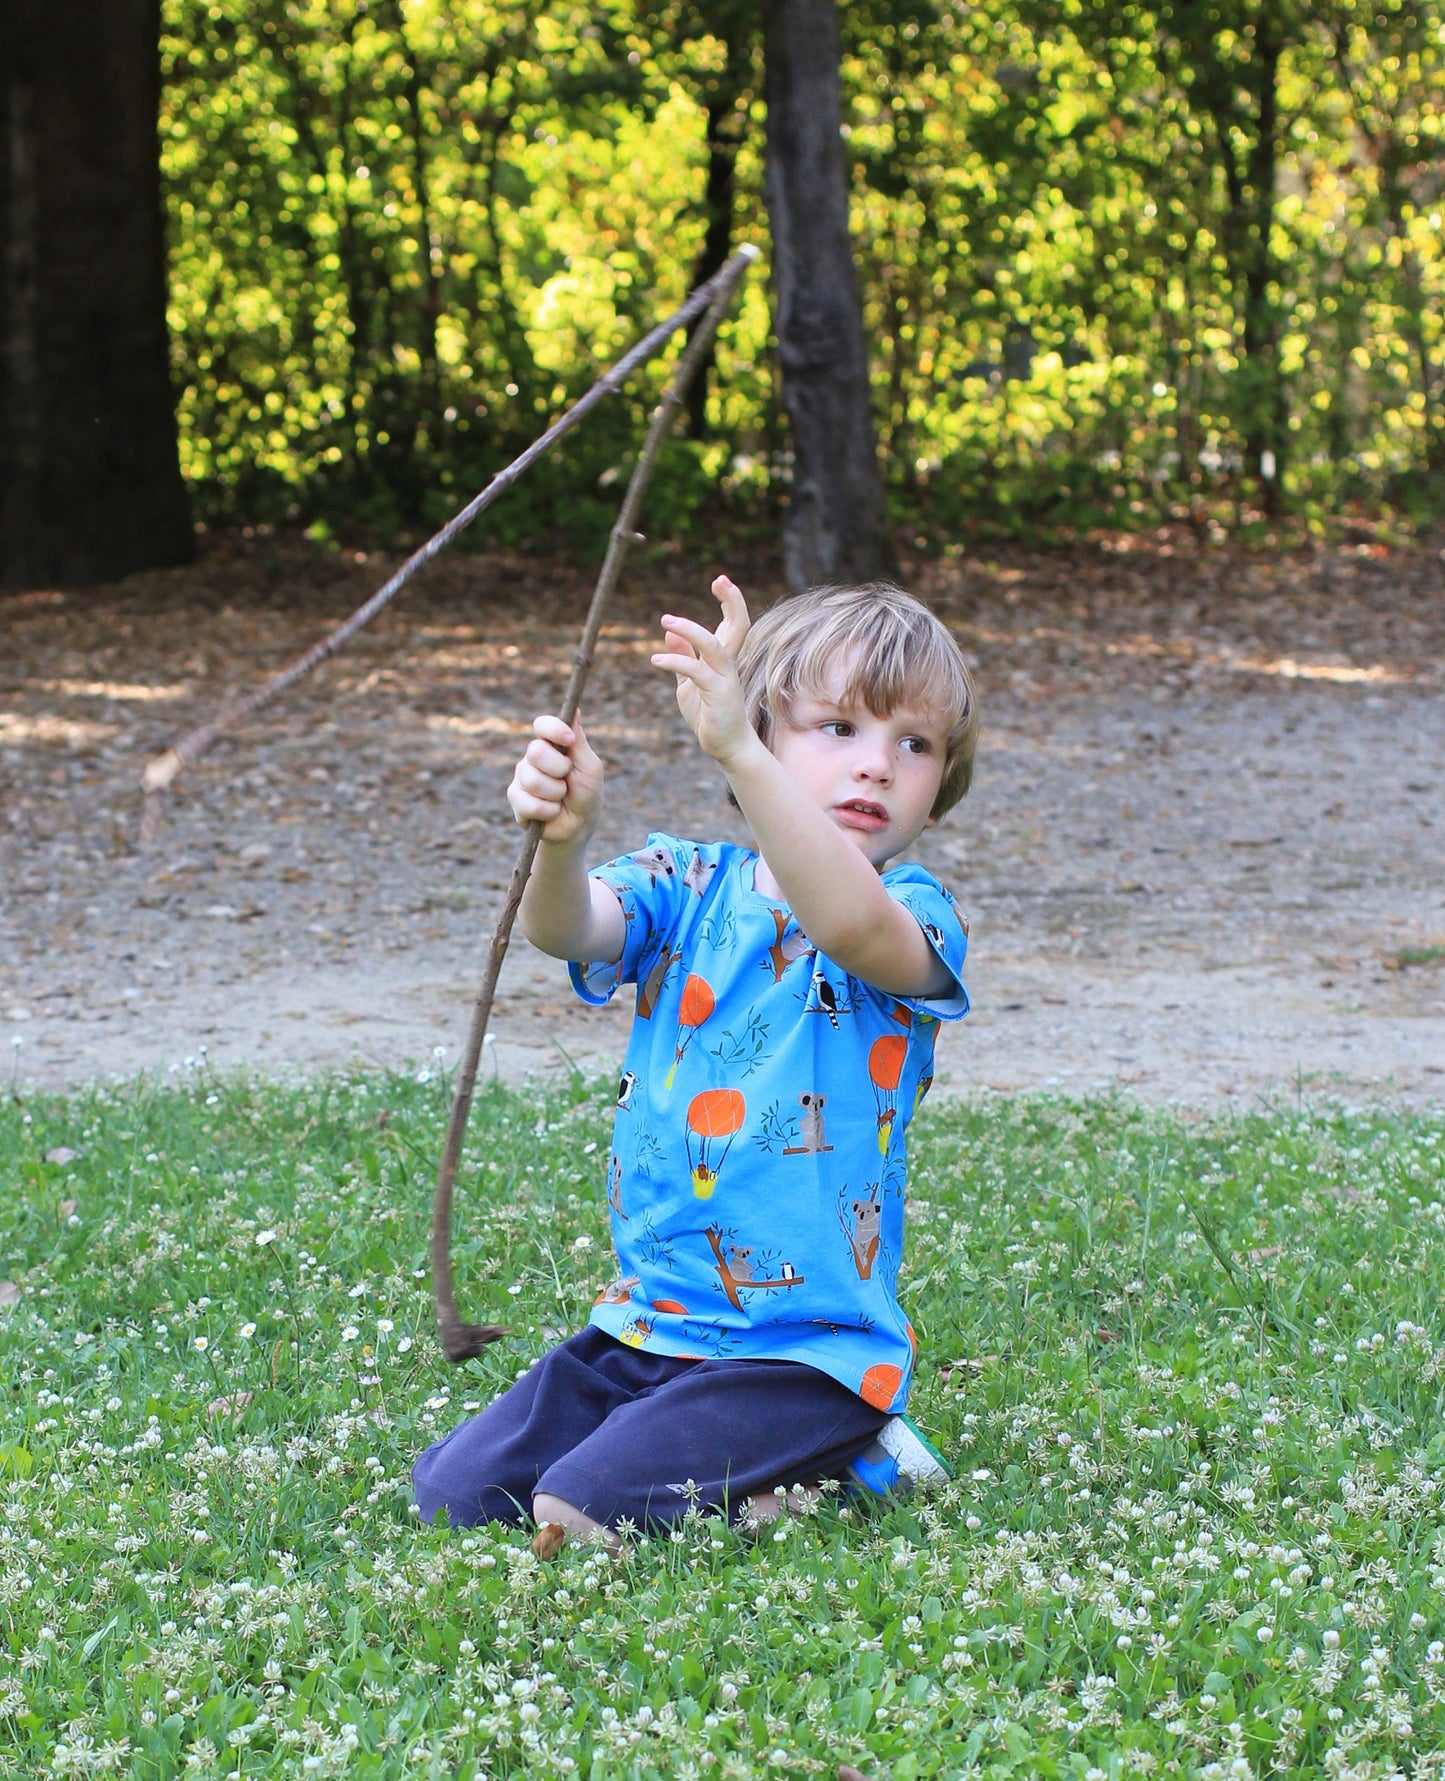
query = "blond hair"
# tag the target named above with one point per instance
(897, 652)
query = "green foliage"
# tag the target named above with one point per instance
(1115, 266)
(1190, 1372)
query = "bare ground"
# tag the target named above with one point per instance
(1202, 857)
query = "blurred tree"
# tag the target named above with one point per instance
(1226, 56)
(716, 47)
(90, 486)
(1389, 56)
(1108, 258)
(836, 525)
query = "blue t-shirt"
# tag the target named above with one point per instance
(757, 1168)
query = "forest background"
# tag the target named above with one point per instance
(1119, 264)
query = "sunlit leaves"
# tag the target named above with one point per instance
(403, 232)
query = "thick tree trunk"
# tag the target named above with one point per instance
(90, 487)
(836, 526)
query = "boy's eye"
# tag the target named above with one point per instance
(837, 726)
(918, 745)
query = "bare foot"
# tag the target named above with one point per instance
(551, 1513)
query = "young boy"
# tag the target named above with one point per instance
(788, 1001)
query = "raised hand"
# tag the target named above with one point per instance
(558, 782)
(705, 663)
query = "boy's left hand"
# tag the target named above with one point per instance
(705, 663)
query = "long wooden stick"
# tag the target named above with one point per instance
(461, 1341)
(162, 769)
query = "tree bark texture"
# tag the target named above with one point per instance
(90, 485)
(836, 527)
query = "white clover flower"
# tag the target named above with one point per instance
(404, 1345)
(1331, 1640)
(1264, 1634)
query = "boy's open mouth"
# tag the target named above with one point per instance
(863, 813)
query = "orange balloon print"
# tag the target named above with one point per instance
(716, 1112)
(880, 1386)
(696, 1005)
(697, 1002)
(886, 1059)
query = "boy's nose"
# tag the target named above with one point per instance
(875, 761)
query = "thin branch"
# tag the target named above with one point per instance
(461, 1341)
(162, 769)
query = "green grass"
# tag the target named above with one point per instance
(1190, 1371)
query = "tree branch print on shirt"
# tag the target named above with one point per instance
(743, 1052)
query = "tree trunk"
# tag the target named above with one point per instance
(836, 527)
(90, 486)
(1267, 440)
(717, 203)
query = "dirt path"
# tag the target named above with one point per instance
(1203, 857)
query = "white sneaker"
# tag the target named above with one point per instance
(898, 1460)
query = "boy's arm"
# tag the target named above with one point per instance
(836, 895)
(839, 900)
(558, 782)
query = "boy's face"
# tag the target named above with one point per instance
(876, 777)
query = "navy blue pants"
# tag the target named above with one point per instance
(628, 1436)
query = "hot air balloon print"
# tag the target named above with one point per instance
(697, 1003)
(713, 1119)
(886, 1058)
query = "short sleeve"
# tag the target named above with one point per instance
(936, 911)
(651, 887)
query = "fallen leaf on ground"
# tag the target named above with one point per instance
(965, 1364)
(229, 1406)
(67, 1208)
(549, 1540)
(9, 1293)
(62, 1154)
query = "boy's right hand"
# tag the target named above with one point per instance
(558, 782)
